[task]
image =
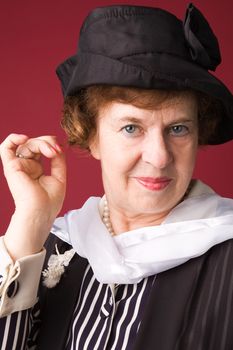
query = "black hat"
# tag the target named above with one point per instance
(148, 48)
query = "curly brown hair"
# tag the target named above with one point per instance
(81, 110)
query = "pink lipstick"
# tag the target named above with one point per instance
(154, 184)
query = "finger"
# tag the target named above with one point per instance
(10, 144)
(38, 146)
(58, 168)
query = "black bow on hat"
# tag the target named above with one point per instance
(148, 48)
(203, 44)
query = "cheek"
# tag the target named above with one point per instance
(115, 155)
(185, 159)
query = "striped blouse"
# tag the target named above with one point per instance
(105, 317)
(189, 307)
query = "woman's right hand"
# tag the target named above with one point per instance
(38, 197)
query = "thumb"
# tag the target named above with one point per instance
(58, 168)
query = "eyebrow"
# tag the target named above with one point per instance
(135, 120)
(129, 119)
(183, 120)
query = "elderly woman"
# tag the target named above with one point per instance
(148, 265)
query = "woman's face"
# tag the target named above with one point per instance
(147, 156)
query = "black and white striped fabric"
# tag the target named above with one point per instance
(107, 316)
(19, 330)
(14, 331)
(189, 307)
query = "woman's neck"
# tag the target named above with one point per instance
(118, 221)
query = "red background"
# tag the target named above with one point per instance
(35, 36)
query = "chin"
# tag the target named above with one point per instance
(158, 202)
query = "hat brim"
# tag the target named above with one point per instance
(148, 71)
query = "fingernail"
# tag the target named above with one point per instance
(58, 148)
(53, 149)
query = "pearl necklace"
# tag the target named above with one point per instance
(106, 218)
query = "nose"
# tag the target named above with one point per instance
(156, 151)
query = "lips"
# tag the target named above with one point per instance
(154, 184)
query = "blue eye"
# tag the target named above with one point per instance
(131, 130)
(179, 130)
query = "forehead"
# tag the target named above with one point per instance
(183, 105)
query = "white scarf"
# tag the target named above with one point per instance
(200, 221)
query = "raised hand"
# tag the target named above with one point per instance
(38, 197)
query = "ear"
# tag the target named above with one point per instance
(94, 148)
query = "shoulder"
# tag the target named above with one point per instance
(222, 251)
(216, 269)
